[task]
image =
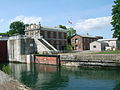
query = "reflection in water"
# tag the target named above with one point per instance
(46, 77)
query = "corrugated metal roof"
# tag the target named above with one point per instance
(111, 39)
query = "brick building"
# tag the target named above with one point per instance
(55, 36)
(82, 42)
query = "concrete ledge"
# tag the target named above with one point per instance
(112, 60)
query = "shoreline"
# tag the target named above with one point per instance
(8, 83)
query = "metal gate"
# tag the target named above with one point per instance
(3, 51)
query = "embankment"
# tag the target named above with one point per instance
(112, 60)
(8, 83)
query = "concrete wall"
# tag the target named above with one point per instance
(19, 47)
(40, 47)
(112, 43)
(112, 60)
(95, 46)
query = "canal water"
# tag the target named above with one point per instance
(47, 77)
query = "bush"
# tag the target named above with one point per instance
(6, 69)
(69, 47)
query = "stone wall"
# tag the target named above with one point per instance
(91, 60)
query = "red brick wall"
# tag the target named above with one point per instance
(65, 35)
(84, 42)
(48, 33)
(54, 34)
(3, 51)
(60, 35)
(79, 43)
(46, 60)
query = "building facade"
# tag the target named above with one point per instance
(57, 37)
(105, 44)
(82, 42)
(98, 46)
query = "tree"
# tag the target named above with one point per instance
(70, 33)
(4, 34)
(17, 27)
(69, 47)
(116, 19)
(63, 27)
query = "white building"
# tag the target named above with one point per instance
(105, 44)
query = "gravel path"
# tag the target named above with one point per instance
(8, 83)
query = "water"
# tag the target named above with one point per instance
(46, 77)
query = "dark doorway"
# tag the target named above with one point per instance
(3, 51)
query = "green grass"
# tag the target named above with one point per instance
(108, 52)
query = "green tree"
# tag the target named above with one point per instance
(4, 34)
(69, 47)
(63, 27)
(70, 33)
(17, 27)
(116, 19)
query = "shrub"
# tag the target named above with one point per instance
(6, 69)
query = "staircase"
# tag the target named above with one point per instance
(46, 44)
(43, 45)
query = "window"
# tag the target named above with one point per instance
(51, 35)
(94, 46)
(76, 40)
(54, 34)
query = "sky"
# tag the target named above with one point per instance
(87, 16)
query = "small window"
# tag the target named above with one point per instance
(94, 46)
(76, 40)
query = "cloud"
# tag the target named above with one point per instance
(93, 24)
(27, 19)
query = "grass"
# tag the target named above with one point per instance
(108, 52)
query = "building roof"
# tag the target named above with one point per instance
(4, 38)
(38, 27)
(100, 41)
(52, 28)
(84, 35)
(111, 39)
